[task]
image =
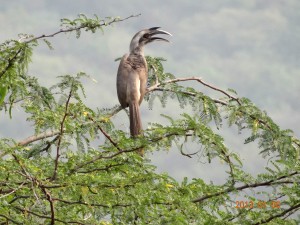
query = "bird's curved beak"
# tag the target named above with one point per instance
(155, 31)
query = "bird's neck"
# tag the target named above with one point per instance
(138, 50)
(137, 60)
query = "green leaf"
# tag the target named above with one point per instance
(3, 92)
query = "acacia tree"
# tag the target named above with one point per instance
(57, 176)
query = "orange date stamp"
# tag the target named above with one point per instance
(257, 204)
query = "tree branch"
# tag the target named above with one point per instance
(9, 219)
(156, 87)
(103, 23)
(61, 134)
(48, 134)
(186, 93)
(90, 204)
(101, 169)
(11, 191)
(101, 156)
(50, 200)
(10, 62)
(115, 20)
(254, 185)
(198, 79)
(38, 137)
(26, 211)
(284, 212)
(105, 134)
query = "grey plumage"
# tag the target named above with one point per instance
(132, 77)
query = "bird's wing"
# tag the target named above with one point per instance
(131, 81)
(122, 78)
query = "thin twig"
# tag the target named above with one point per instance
(231, 189)
(22, 166)
(61, 134)
(10, 62)
(102, 169)
(104, 23)
(9, 219)
(198, 79)
(106, 134)
(155, 87)
(50, 200)
(11, 191)
(284, 212)
(90, 204)
(186, 93)
(26, 211)
(48, 134)
(115, 20)
(101, 156)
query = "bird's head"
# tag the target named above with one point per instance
(146, 36)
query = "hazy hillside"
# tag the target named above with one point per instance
(250, 46)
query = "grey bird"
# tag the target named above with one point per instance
(133, 74)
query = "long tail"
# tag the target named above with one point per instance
(135, 122)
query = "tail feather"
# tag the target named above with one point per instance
(135, 119)
(135, 122)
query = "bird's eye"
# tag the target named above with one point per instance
(146, 36)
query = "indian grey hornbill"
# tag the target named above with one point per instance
(133, 74)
